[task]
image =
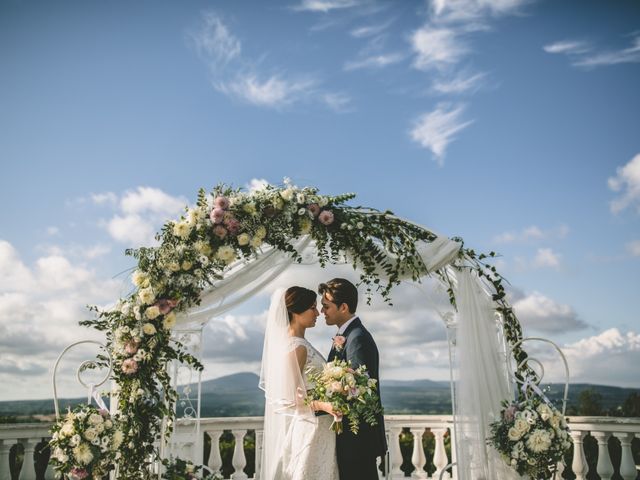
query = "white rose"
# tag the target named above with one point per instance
(95, 419)
(186, 265)
(182, 229)
(75, 440)
(152, 312)
(521, 426)
(149, 329)
(108, 423)
(140, 278)
(146, 295)
(125, 309)
(514, 434)
(243, 239)
(169, 321)
(287, 194)
(67, 429)
(226, 254)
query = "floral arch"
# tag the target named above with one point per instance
(232, 243)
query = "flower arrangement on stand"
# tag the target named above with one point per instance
(179, 469)
(85, 443)
(350, 391)
(532, 437)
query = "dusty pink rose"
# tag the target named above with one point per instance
(510, 413)
(338, 342)
(129, 366)
(233, 226)
(166, 305)
(219, 231)
(131, 347)
(326, 217)
(216, 215)
(314, 208)
(78, 473)
(103, 412)
(335, 386)
(221, 202)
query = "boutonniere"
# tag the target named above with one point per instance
(338, 342)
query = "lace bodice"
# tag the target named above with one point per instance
(315, 360)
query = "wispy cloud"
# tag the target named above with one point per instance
(371, 30)
(338, 102)
(546, 257)
(627, 183)
(374, 62)
(437, 47)
(325, 6)
(459, 83)
(634, 248)
(475, 10)
(215, 41)
(584, 55)
(437, 129)
(532, 233)
(274, 91)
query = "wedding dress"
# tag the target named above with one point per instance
(297, 445)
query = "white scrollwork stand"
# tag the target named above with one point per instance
(516, 382)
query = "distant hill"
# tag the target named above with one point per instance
(239, 395)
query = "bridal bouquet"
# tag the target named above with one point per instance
(84, 443)
(532, 436)
(350, 391)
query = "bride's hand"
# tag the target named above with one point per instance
(327, 407)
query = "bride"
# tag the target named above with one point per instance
(297, 444)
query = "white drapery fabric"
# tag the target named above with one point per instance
(482, 381)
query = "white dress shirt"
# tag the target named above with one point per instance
(344, 326)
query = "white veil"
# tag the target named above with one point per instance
(284, 388)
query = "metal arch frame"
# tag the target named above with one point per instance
(80, 369)
(535, 360)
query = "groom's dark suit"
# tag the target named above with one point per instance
(357, 453)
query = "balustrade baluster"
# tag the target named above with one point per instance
(395, 454)
(440, 459)
(604, 467)
(627, 465)
(5, 447)
(418, 458)
(239, 459)
(28, 471)
(579, 466)
(215, 460)
(258, 462)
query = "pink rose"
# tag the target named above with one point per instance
(103, 412)
(78, 473)
(219, 231)
(233, 226)
(131, 347)
(129, 366)
(335, 387)
(326, 217)
(338, 342)
(314, 208)
(216, 215)
(510, 413)
(221, 202)
(166, 305)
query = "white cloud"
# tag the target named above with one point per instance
(374, 62)
(634, 248)
(461, 83)
(215, 41)
(256, 184)
(370, 30)
(53, 231)
(585, 56)
(338, 102)
(107, 198)
(532, 233)
(325, 6)
(609, 358)
(540, 313)
(435, 130)
(274, 91)
(40, 307)
(140, 213)
(567, 47)
(546, 257)
(437, 47)
(627, 183)
(474, 10)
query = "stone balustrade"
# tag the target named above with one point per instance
(609, 433)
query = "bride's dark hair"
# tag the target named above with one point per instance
(299, 299)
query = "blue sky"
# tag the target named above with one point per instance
(510, 123)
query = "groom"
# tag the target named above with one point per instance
(357, 454)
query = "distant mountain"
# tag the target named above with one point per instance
(239, 395)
